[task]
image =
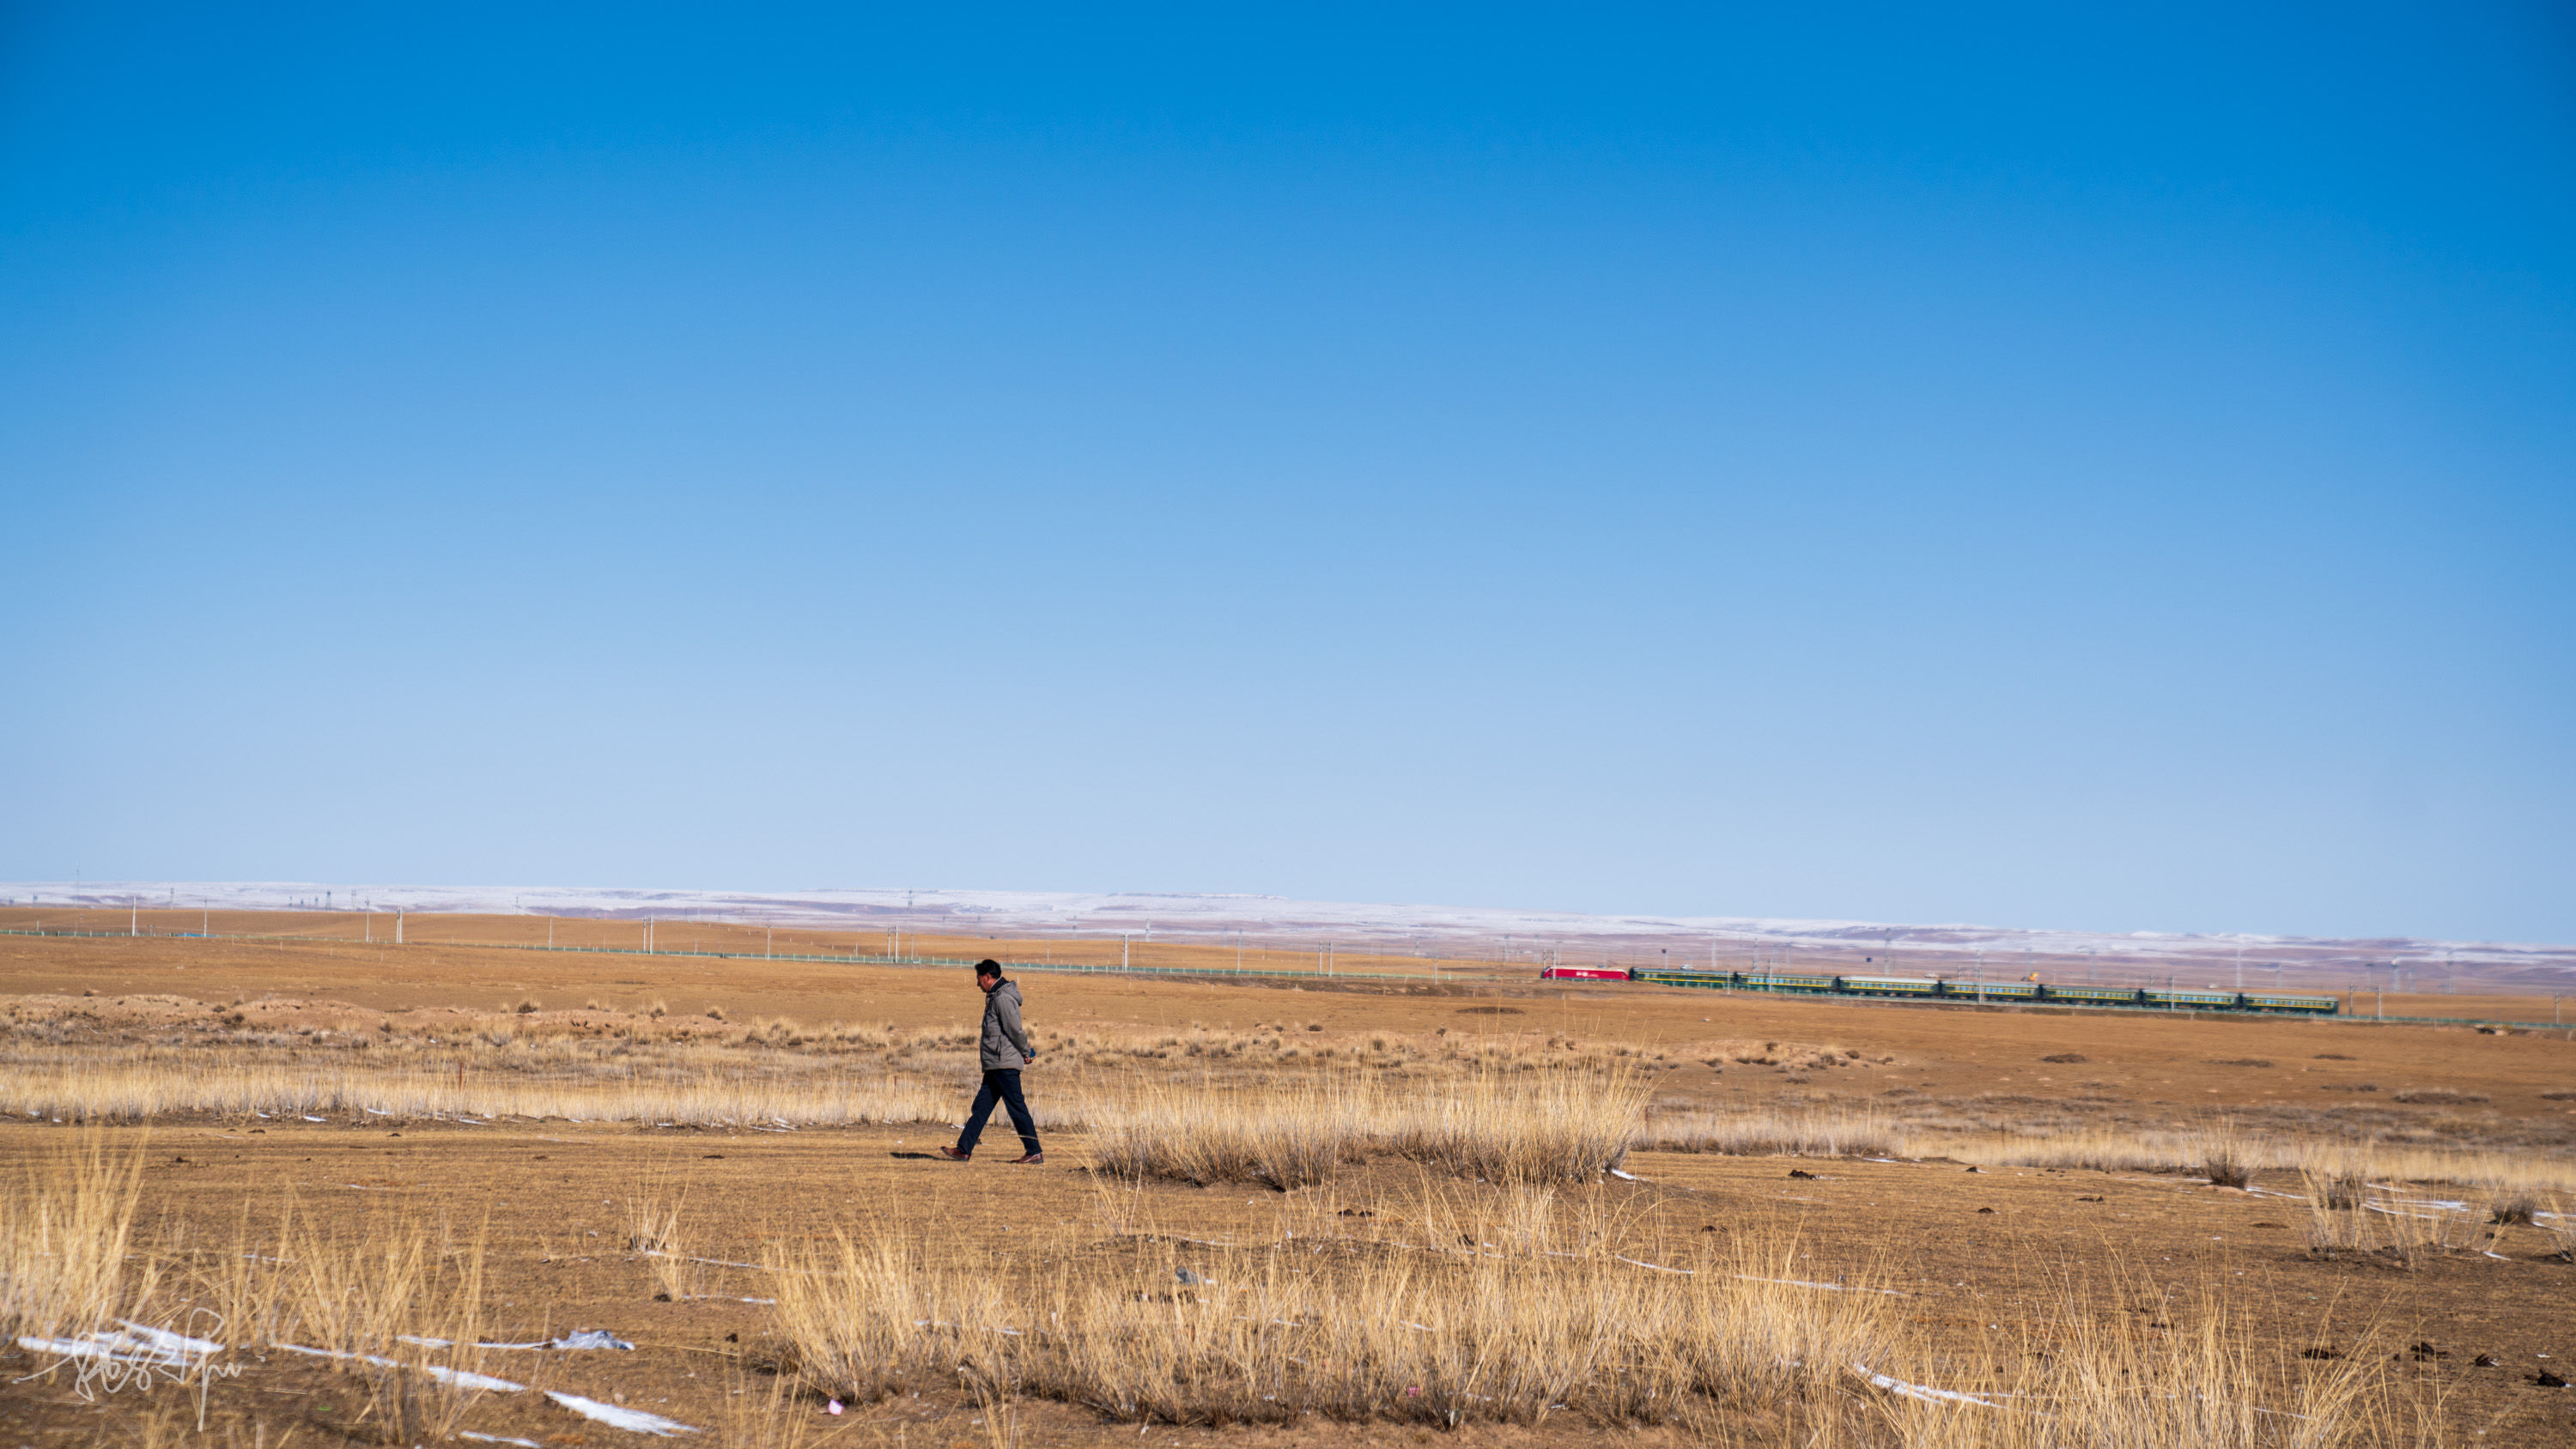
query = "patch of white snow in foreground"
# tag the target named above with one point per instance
(613, 1415)
(1918, 1391)
(617, 1417)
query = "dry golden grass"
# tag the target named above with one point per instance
(1802, 1130)
(69, 1223)
(119, 1090)
(2085, 1376)
(1515, 1306)
(1172, 1334)
(657, 1230)
(1557, 1124)
(382, 1297)
(397, 1302)
(2558, 1220)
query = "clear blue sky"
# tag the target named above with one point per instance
(2050, 467)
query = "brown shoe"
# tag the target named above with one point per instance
(953, 1155)
(1034, 1159)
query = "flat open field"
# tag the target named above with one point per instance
(1320, 1211)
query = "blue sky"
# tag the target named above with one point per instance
(2055, 469)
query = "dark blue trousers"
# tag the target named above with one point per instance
(1001, 1084)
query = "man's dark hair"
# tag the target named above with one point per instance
(988, 967)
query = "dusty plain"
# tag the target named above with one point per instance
(1977, 1260)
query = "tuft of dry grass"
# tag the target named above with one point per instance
(2403, 1230)
(2337, 1180)
(2226, 1158)
(1555, 1124)
(396, 1301)
(1810, 1131)
(65, 1225)
(2212, 1379)
(2511, 1204)
(2560, 1224)
(765, 1415)
(653, 1220)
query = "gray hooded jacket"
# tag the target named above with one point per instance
(1006, 1044)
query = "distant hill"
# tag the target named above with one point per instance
(1453, 931)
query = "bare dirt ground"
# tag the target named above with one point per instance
(1976, 1255)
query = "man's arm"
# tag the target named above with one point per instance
(1007, 1011)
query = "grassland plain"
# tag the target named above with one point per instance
(542, 1143)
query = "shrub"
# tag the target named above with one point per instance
(2226, 1158)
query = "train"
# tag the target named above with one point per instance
(1935, 988)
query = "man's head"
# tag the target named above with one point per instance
(988, 973)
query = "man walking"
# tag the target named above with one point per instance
(1004, 1049)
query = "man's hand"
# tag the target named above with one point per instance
(1027, 1058)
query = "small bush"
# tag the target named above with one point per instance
(2225, 1157)
(2439, 1096)
(2334, 1185)
(2561, 1227)
(2066, 1059)
(2239, 1062)
(715, 1013)
(526, 1008)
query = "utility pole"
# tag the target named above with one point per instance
(398, 925)
(133, 919)
(1122, 951)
